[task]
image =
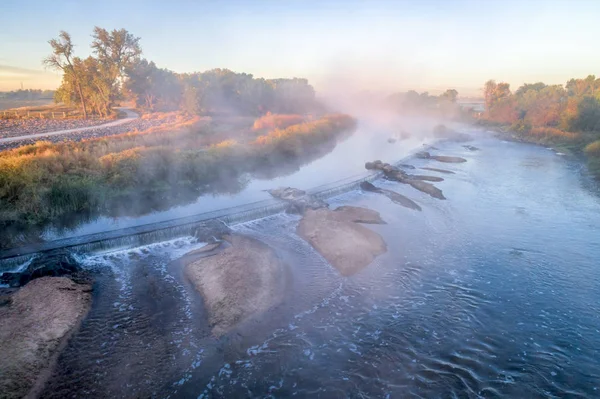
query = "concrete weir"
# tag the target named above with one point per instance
(199, 224)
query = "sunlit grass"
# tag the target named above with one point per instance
(42, 181)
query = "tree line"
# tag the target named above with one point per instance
(574, 107)
(27, 94)
(117, 71)
(424, 103)
(567, 116)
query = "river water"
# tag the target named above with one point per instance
(494, 292)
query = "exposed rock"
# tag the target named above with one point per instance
(471, 148)
(299, 201)
(395, 174)
(443, 158)
(394, 196)
(346, 245)
(391, 140)
(427, 188)
(356, 214)
(406, 166)
(426, 178)
(449, 172)
(244, 279)
(34, 326)
(53, 264)
(439, 158)
(211, 231)
(287, 193)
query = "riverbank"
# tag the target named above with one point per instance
(583, 145)
(45, 182)
(36, 323)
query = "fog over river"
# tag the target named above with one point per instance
(494, 292)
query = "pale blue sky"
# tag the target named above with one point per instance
(377, 45)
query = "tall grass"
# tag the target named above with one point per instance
(44, 181)
(277, 121)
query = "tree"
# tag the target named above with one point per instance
(116, 52)
(62, 59)
(588, 115)
(449, 95)
(152, 87)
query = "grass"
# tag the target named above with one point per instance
(42, 182)
(12, 104)
(277, 121)
(33, 109)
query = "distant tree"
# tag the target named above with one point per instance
(153, 88)
(530, 86)
(116, 51)
(449, 95)
(62, 59)
(589, 86)
(588, 115)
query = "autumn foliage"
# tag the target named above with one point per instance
(566, 115)
(44, 181)
(276, 121)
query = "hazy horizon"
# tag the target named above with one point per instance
(338, 46)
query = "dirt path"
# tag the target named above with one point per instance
(130, 117)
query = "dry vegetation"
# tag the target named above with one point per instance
(44, 181)
(6, 104)
(565, 117)
(277, 121)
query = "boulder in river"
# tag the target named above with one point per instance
(439, 158)
(34, 325)
(242, 280)
(426, 178)
(416, 181)
(392, 195)
(427, 188)
(471, 148)
(449, 172)
(299, 200)
(337, 236)
(52, 264)
(446, 159)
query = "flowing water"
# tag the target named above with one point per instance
(494, 292)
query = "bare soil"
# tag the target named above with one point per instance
(337, 236)
(34, 326)
(244, 279)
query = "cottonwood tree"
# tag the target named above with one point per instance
(62, 59)
(116, 52)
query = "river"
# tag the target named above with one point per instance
(494, 292)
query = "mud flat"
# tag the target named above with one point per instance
(245, 278)
(340, 239)
(35, 324)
